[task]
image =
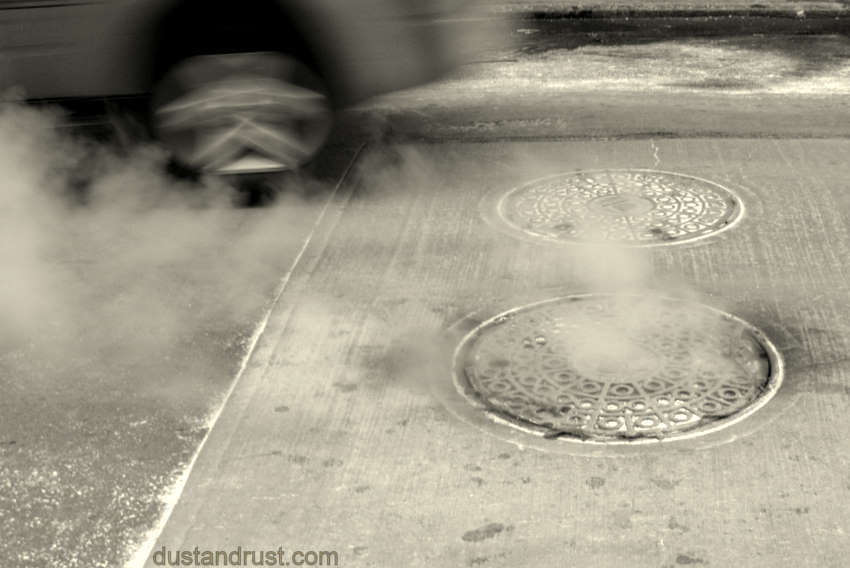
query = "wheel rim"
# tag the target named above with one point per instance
(242, 113)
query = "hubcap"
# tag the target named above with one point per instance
(242, 113)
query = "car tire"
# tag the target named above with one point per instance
(241, 113)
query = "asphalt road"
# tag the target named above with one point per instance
(270, 348)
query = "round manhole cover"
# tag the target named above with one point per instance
(632, 207)
(617, 369)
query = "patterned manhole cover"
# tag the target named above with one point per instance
(631, 207)
(617, 369)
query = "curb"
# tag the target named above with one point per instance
(622, 13)
(621, 20)
(562, 10)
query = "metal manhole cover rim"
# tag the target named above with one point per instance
(493, 209)
(476, 401)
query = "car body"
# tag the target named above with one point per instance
(86, 48)
(105, 48)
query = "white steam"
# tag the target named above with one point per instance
(135, 262)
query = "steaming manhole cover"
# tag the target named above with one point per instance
(617, 369)
(632, 207)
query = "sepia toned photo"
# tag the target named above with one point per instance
(424, 283)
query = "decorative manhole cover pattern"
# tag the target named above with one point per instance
(611, 368)
(633, 207)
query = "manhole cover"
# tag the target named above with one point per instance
(633, 207)
(610, 368)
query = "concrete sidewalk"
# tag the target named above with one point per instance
(335, 439)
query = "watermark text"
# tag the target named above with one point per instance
(240, 556)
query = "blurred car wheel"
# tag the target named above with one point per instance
(240, 113)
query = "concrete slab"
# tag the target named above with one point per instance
(334, 439)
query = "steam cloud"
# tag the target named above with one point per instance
(107, 257)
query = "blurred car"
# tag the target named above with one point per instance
(247, 86)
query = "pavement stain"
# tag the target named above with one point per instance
(486, 532)
(346, 387)
(685, 559)
(595, 482)
(281, 408)
(665, 483)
